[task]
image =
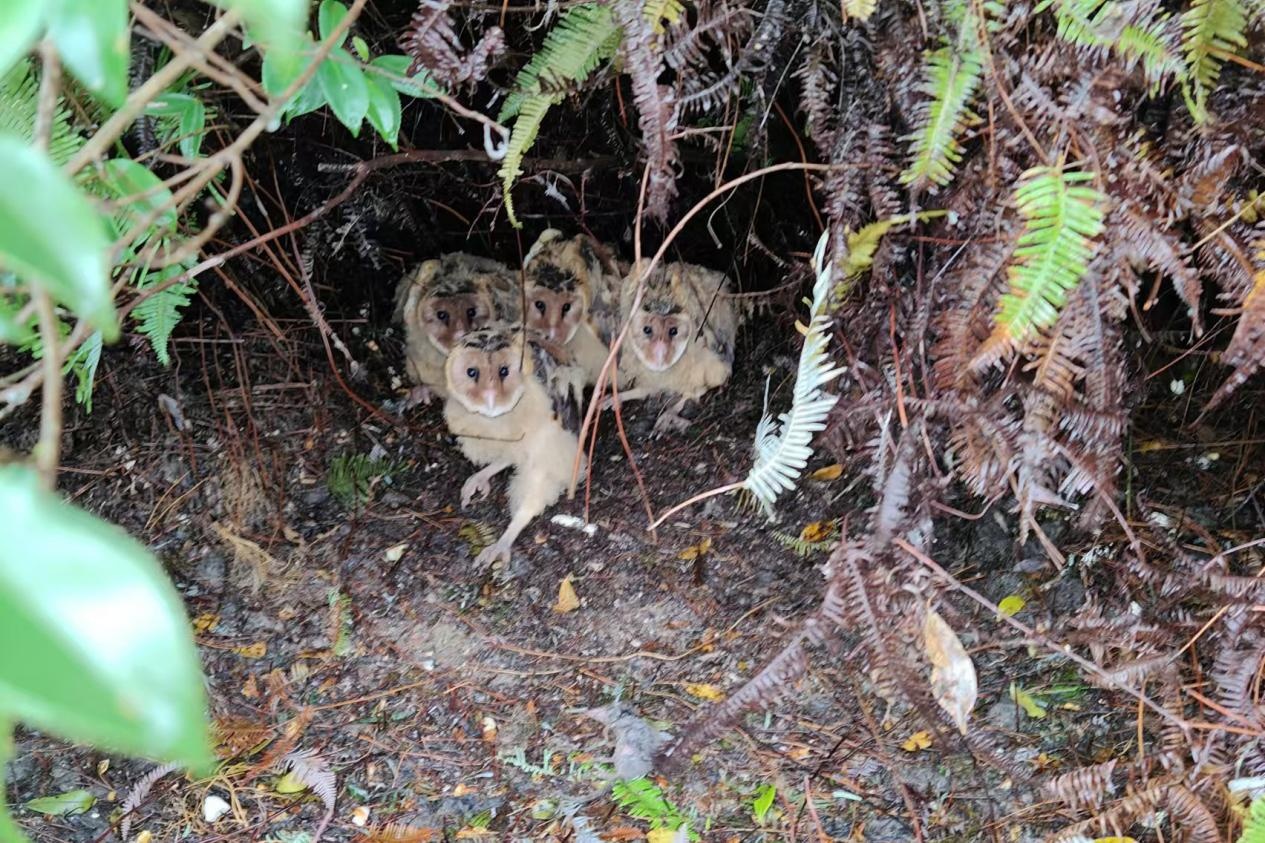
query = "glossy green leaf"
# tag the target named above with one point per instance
(344, 86)
(190, 113)
(98, 648)
(309, 99)
(50, 235)
(92, 40)
(361, 46)
(20, 26)
(384, 109)
(71, 802)
(331, 14)
(395, 70)
(142, 193)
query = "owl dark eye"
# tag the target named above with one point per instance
(443, 315)
(505, 372)
(647, 330)
(540, 306)
(471, 313)
(566, 308)
(672, 332)
(472, 373)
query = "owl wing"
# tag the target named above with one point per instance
(506, 290)
(711, 295)
(563, 383)
(605, 306)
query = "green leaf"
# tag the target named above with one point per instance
(344, 86)
(142, 191)
(285, 63)
(71, 802)
(395, 70)
(51, 236)
(92, 39)
(1032, 705)
(762, 803)
(289, 783)
(106, 654)
(331, 14)
(361, 47)
(384, 109)
(19, 29)
(159, 314)
(83, 363)
(190, 116)
(273, 23)
(309, 99)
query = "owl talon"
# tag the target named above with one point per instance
(670, 421)
(476, 486)
(492, 554)
(418, 395)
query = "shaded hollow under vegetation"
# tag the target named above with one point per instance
(1049, 404)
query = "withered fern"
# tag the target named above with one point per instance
(434, 45)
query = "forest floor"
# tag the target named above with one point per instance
(449, 706)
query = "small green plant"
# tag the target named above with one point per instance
(642, 799)
(1254, 823)
(762, 803)
(354, 478)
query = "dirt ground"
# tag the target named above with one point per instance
(451, 707)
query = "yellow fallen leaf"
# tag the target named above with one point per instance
(568, 601)
(830, 472)
(252, 651)
(704, 691)
(695, 551)
(1031, 705)
(1114, 840)
(461, 789)
(489, 730)
(204, 622)
(917, 741)
(145, 836)
(1010, 605)
(817, 531)
(360, 816)
(395, 553)
(660, 835)
(289, 783)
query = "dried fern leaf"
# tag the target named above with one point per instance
(859, 9)
(313, 770)
(1246, 351)
(137, 795)
(1211, 29)
(1106, 27)
(1062, 218)
(784, 445)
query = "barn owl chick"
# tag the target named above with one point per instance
(681, 339)
(440, 302)
(512, 404)
(572, 297)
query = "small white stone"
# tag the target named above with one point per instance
(1177, 386)
(213, 807)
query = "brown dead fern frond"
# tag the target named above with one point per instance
(434, 45)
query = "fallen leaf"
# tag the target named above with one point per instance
(360, 816)
(660, 835)
(694, 551)
(704, 691)
(489, 730)
(252, 651)
(103, 767)
(250, 688)
(1010, 605)
(396, 553)
(462, 789)
(623, 832)
(204, 622)
(214, 807)
(289, 783)
(71, 802)
(567, 599)
(817, 531)
(830, 472)
(917, 741)
(145, 836)
(952, 674)
(1031, 706)
(1114, 840)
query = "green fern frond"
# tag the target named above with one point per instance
(784, 445)
(1254, 824)
(19, 101)
(951, 76)
(799, 546)
(353, 478)
(584, 37)
(1096, 24)
(1062, 217)
(1211, 28)
(158, 315)
(643, 799)
(83, 364)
